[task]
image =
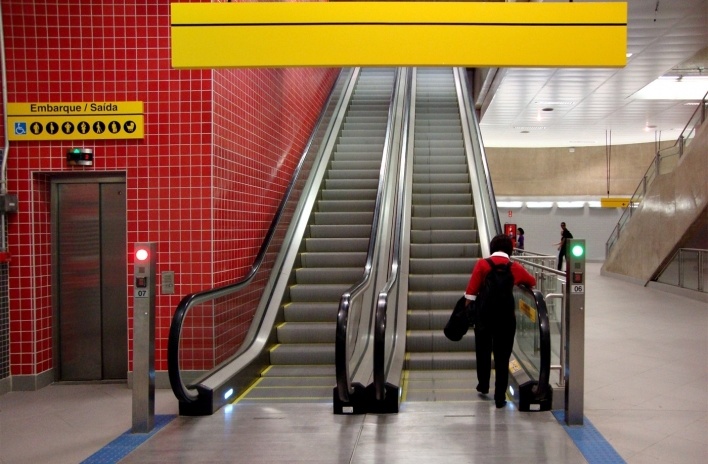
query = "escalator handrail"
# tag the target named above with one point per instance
(380, 362)
(540, 390)
(342, 371)
(180, 390)
(472, 127)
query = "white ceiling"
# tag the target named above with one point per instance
(599, 103)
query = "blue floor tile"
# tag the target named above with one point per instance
(589, 441)
(126, 443)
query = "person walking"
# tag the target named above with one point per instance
(562, 245)
(495, 328)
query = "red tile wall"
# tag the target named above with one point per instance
(218, 152)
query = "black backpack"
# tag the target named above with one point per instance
(496, 297)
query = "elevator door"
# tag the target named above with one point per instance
(90, 279)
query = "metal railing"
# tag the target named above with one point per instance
(688, 268)
(664, 162)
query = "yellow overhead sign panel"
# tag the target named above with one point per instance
(75, 121)
(231, 35)
(614, 202)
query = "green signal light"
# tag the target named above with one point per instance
(577, 251)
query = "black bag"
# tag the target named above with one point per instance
(460, 320)
(496, 297)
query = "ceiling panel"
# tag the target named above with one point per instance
(588, 103)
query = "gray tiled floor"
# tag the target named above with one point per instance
(646, 392)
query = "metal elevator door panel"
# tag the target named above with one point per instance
(79, 277)
(113, 282)
(91, 281)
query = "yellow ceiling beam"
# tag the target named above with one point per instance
(232, 35)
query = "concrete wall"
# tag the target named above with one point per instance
(675, 205)
(523, 172)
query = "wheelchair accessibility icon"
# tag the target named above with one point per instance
(20, 128)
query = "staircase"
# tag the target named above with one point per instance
(444, 246)
(333, 252)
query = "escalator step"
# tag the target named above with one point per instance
(310, 353)
(441, 236)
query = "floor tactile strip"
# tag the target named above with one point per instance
(589, 441)
(126, 443)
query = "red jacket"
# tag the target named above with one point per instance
(482, 268)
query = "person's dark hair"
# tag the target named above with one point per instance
(520, 230)
(501, 243)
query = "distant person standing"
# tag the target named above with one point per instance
(520, 238)
(565, 235)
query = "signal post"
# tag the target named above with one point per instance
(144, 285)
(575, 331)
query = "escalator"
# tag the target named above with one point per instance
(444, 245)
(448, 216)
(294, 290)
(333, 252)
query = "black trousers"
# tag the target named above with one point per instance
(497, 339)
(561, 255)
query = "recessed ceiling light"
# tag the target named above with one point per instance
(553, 103)
(675, 88)
(530, 127)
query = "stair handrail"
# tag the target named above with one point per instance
(182, 391)
(382, 363)
(697, 118)
(344, 384)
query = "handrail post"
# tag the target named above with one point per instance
(680, 269)
(701, 256)
(681, 143)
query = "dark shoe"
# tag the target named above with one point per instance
(500, 404)
(483, 391)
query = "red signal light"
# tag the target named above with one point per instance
(141, 254)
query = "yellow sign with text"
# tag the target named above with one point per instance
(75, 121)
(337, 34)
